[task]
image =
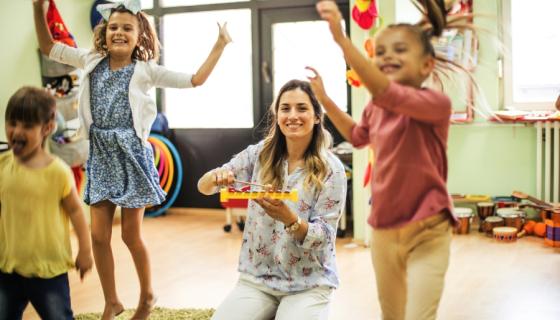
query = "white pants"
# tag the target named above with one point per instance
(251, 301)
(410, 265)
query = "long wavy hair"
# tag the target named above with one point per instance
(148, 46)
(275, 150)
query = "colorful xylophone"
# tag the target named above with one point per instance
(226, 194)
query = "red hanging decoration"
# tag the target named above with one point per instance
(57, 27)
(365, 18)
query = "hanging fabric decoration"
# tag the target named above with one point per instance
(369, 169)
(57, 27)
(55, 75)
(365, 13)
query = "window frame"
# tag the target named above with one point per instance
(505, 71)
(256, 6)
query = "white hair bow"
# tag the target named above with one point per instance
(105, 9)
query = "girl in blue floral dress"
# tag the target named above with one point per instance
(287, 259)
(116, 113)
(120, 167)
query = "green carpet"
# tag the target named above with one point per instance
(159, 314)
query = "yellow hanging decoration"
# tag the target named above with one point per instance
(363, 5)
(353, 78)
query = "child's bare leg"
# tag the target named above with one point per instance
(101, 229)
(132, 237)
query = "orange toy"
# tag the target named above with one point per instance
(540, 229)
(529, 227)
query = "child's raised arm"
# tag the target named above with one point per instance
(558, 103)
(374, 80)
(43, 34)
(73, 208)
(341, 120)
(206, 68)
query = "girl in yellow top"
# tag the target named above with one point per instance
(37, 199)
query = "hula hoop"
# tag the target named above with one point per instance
(157, 158)
(155, 151)
(167, 176)
(163, 164)
(165, 171)
(158, 161)
(174, 175)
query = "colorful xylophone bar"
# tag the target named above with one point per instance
(226, 194)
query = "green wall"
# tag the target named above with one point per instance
(484, 158)
(19, 60)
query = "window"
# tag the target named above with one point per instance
(171, 3)
(406, 11)
(458, 46)
(532, 39)
(226, 99)
(236, 95)
(296, 45)
(147, 4)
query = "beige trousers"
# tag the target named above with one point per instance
(251, 301)
(410, 265)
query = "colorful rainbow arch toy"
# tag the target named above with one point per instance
(170, 170)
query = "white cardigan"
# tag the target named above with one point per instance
(146, 75)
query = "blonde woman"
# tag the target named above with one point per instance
(287, 260)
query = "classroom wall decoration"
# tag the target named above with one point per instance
(63, 81)
(366, 16)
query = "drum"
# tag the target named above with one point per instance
(513, 217)
(552, 236)
(491, 223)
(505, 234)
(506, 204)
(464, 215)
(484, 210)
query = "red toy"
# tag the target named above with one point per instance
(57, 27)
(364, 13)
(231, 204)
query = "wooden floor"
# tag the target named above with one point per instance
(194, 265)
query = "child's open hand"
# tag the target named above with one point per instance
(316, 84)
(223, 36)
(84, 263)
(328, 10)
